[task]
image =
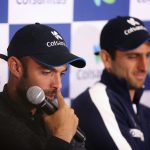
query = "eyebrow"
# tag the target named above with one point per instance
(136, 53)
(53, 68)
(133, 53)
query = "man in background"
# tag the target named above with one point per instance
(109, 112)
(37, 56)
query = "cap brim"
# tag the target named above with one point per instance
(4, 57)
(61, 57)
(135, 41)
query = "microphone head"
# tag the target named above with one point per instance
(35, 95)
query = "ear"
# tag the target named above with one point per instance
(15, 67)
(106, 58)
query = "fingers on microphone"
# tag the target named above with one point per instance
(45, 117)
(60, 99)
(76, 119)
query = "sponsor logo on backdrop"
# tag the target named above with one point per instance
(99, 9)
(96, 49)
(143, 1)
(88, 74)
(45, 11)
(99, 2)
(40, 2)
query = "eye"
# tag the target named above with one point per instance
(63, 73)
(132, 56)
(46, 72)
(148, 55)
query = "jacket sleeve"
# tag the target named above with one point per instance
(78, 145)
(55, 143)
(16, 135)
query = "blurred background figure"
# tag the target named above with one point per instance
(109, 112)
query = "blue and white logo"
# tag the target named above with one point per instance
(99, 2)
(86, 10)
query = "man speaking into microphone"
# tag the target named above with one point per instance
(37, 56)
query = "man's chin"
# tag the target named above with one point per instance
(50, 98)
(137, 86)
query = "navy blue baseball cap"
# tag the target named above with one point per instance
(123, 33)
(43, 44)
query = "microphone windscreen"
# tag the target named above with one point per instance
(35, 95)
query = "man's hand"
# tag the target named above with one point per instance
(63, 123)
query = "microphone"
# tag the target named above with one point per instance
(37, 97)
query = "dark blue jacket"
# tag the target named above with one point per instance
(111, 120)
(19, 130)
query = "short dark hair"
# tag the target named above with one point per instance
(112, 53)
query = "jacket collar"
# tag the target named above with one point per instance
(120, 86)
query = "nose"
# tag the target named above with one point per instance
(57, 81)
(143, 63)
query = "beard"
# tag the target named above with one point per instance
(21, 90)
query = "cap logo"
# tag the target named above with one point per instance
(56, 35)
(133, 22)
(55, 42)
(136, 26)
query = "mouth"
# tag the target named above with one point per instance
(140, 76)
(51, 96)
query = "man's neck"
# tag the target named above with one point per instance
(132, 93)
